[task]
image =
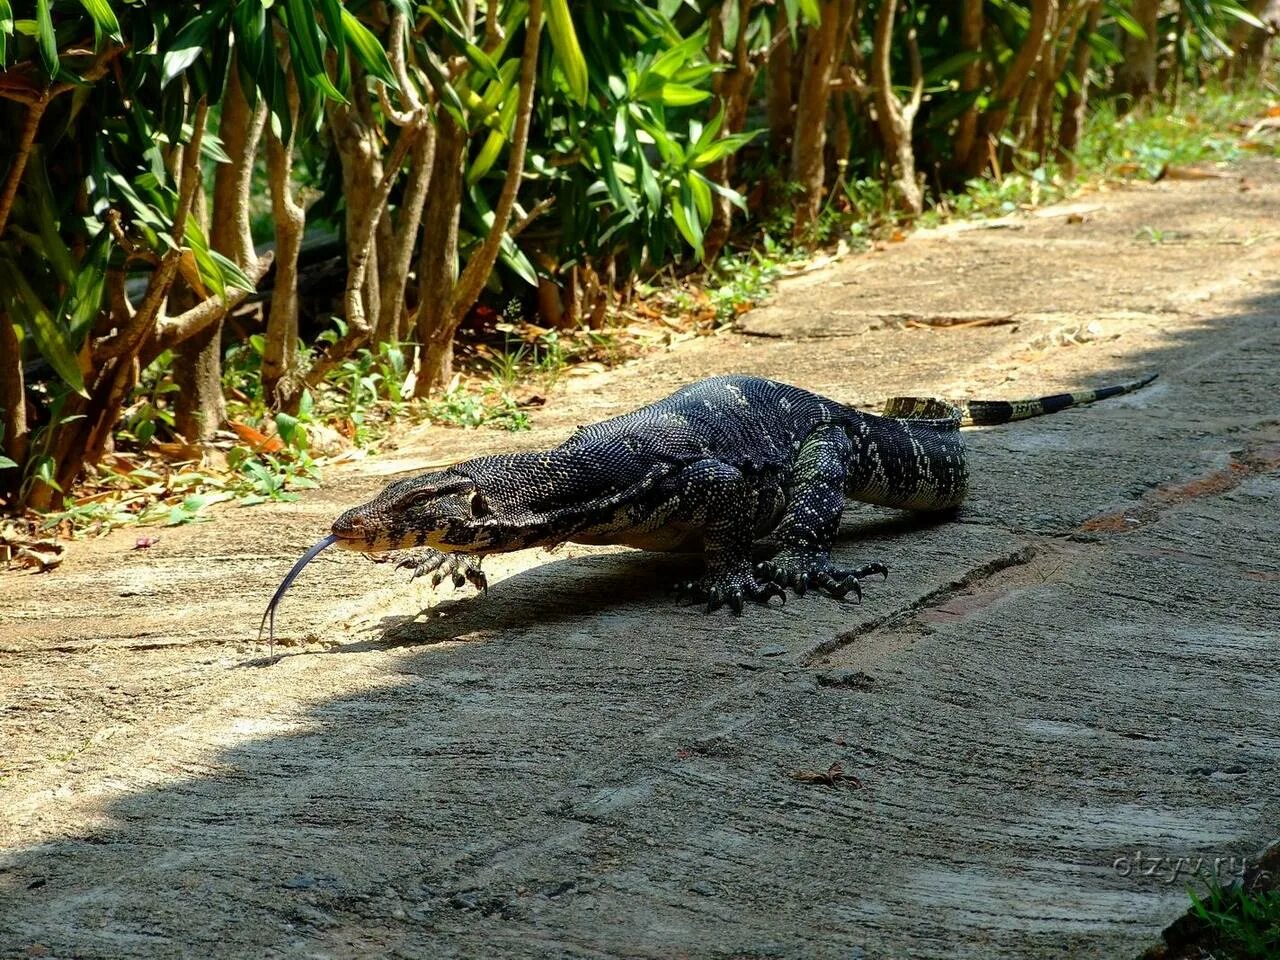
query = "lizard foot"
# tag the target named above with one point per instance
(802, 569)
(461, 568)
(733, 587)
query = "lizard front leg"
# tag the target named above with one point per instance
(812, 519)
(723, 500)
(459, 567)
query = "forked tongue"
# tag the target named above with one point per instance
(270, 615)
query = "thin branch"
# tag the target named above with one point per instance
(473, 278)
(539, 208)
(362, 243)
(173, 330)
(912, 106)
(492, 26)
(19, 165)
(37, 102)
(139, 327)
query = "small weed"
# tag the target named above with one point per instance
(506, 365)
(744, 279)
(1242, 924)
(460, 408)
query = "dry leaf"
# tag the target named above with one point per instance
(256, 439)
(43, 555)
(833, 776)
(1171, 172)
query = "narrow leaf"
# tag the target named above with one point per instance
(564, 40)
(51, 338)
(368, 50)
(6, 28)
(104, 18)
(47, 38)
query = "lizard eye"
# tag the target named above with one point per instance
(419, 499)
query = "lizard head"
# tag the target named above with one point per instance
(444, 510)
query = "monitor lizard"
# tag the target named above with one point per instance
(712, 468)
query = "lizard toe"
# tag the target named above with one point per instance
(799, 569)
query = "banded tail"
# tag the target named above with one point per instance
(985, 413)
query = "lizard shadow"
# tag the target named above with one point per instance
(630, 584)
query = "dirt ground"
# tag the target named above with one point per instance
(1055, 704)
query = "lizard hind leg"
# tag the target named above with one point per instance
(812, 519)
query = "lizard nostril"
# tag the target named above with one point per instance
(348, 525)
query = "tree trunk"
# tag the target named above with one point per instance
(200, 409)
(1009, 89)
(808, 163)
(1077, 101)
(895, 118)
(972, 24)
(279, 358)
(444, 302)
(438, 264)
(732, 88)
(396, 268)
(779, 102)
(13, 406)
(357, 141)
(1136, 74)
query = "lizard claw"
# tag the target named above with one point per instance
(800, 569)
(459, 568)
(733, 589)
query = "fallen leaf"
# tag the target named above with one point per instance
(833, 776)
(142, 543)
(1171, 172)
(43, 555)
(256, 439)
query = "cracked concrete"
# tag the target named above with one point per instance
(1077, 669)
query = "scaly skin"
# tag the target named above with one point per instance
(712, 468)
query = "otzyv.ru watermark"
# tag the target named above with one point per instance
(1171, 870)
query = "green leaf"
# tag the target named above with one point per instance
(48, 40)
(6, 27)
(44, 472)
(722, 148)
(700, 187)
(368, 50)
(104, 19)
(688, 226)
(564, 40)
(83, 301)
(1240, 13)
(189, 44)
(232, 275)
(304, 42)
(621, 196)
(671, 60)
(682, 95)
(514, 257)
(6, 463)
(51, 338)
(494, 142)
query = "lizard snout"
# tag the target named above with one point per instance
(349, 526)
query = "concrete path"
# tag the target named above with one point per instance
(1072, 684)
